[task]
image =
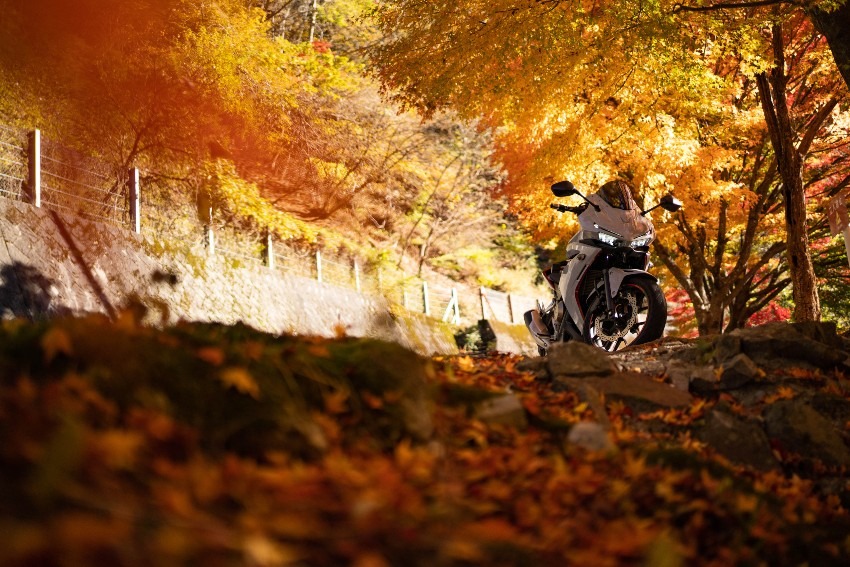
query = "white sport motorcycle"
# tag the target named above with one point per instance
(603, 294)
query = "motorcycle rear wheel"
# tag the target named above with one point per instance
(640, 315)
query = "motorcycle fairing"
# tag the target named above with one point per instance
(571, 279)
(628, 223)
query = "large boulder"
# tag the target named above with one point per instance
(636, 390)
(799, 429)
(741, 441)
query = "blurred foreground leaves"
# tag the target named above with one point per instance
(217, 445)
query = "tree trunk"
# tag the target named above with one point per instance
(835, 27)
(772, 94)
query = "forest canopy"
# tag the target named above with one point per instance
(266, 111)
(741, 112)
(425, 134)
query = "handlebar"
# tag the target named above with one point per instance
(565, 209)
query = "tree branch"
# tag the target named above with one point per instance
(728, 5)
(815, 125)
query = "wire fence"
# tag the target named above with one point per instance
(13, 162)
(49, 174)
(82, 185)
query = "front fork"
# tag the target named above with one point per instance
(609, 301)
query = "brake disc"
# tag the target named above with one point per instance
(621, 330)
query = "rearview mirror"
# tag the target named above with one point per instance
(563, 189)
(670, 203)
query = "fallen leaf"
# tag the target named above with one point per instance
(239, 378)
(54, 342)
(212, 355)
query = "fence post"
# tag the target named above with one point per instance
(356, 275)
(319, 266)
(425, 298)
(34, 162)
(482, 299)
(511, 310)
(456, 300)
(269, 250)
(135, 200)
(209, 239)
(452, 314)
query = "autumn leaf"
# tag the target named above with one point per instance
(336, 402)
(783, 393)
(56, 341)
(240, 379)
(116, 448)
(211, 355)
(319, 350)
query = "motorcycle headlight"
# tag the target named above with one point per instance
(643, 239)
(609, 239)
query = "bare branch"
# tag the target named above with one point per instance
(728, 5)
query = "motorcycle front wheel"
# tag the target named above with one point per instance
(639, 316)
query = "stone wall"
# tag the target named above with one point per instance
(53, 264)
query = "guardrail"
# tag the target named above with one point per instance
(50, 175)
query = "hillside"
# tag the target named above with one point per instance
(126, 445)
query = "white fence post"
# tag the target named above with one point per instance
(209, 239)
(452, 313)
(34, 162)
(319, 266)
(425, 298)
(482, 299)
(269, 250)
(356, 275)
(135, 200)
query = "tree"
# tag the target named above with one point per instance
(628, 90)
(830, 18)
(833, 21)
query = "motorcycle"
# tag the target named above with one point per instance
(603, 294)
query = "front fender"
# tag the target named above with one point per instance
(617, 275)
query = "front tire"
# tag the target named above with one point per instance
(640, 314)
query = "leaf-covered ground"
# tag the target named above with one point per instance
(215, 445)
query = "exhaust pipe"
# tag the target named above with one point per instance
(537, 328)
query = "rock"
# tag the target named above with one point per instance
(634, 389)
(506, 410)
(834, 408)
(726, 347)
(682, 373)
(739, 370)
(679, 374)
(591, 436)
(774, 345)
(824, 332)
(732, 375)
(801, 430)
(741, 441)
(578, 359)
